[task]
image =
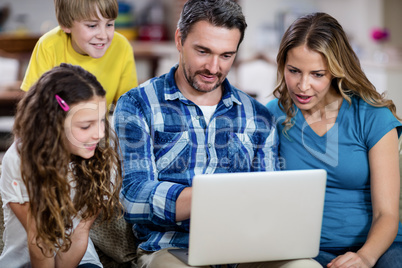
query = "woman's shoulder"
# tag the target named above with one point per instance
(275, 108)
(367, 111)
(273, 104)
(373, 122)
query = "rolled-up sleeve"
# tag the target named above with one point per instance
(145, 198)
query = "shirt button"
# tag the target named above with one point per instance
(197, 117)
(209, 145)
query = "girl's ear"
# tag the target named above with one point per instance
(65, 29)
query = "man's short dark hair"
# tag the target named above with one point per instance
(220, 13)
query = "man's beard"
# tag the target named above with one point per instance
(194, 84)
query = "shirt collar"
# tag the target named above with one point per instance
(172, 92)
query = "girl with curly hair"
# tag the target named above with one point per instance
(329, 116)
(62, 171)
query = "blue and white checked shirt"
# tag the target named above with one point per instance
(165, 142)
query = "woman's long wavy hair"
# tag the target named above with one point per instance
(47, 165)
(322, 33)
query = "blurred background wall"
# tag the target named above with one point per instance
(266, 18)
(150, 27)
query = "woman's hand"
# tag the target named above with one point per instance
(350, 260)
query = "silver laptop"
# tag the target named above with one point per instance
(255, 217)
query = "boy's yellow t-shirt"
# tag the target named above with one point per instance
(115, 71)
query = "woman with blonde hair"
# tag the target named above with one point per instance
(60, 173)
(330, 116)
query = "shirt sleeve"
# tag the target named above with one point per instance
(39, 63)
(128, 78)
(267, 153)
(267, 149)
(145, 198)
(11, 185)
(376, 122)
(272, 105)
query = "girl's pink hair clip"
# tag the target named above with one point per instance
(62, 103)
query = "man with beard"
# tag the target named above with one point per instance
(186, 122)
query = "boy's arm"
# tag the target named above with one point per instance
(38, 64)
(128, 78)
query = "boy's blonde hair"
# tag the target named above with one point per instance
(68, 11)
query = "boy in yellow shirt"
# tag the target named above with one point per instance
(86, 37)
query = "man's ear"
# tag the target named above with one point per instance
(177, 39)
(66, 29)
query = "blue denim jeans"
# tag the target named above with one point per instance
(88, 265)
(391, 258)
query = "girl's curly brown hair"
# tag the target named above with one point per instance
(322, 33)
(47, 165)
